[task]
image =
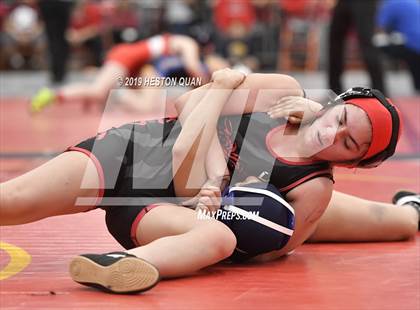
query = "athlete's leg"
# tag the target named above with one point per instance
(349, 218)
(49, 190)
(178, 243)
(96, 91)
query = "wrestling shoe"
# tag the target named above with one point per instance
(115, 272)
(407, 198)
(42, 99)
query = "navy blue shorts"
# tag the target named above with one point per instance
(260, 218)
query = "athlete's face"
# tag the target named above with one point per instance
(343, 133)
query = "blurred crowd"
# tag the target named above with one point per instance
(263, 35)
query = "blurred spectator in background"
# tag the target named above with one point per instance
(56, 17)
(179, 15)
(22, 38)
(236, 40)
(267, 29)
(190, 18)
(3, 13)
(302, 29)
(121, 20)
(151, 17)
(360, 15)
(85, 29)
(398, 33)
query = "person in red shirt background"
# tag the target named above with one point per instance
(121, 21)
(236, 40)
(85, 29)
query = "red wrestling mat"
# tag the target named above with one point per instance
(321, 276)
(316, 276)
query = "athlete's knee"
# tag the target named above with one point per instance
(14, 208)
(5, 206)
(221, 240)
(20, 203)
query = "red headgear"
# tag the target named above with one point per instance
(385, 120)
(381, 121)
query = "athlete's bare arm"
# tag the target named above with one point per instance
(257, 93)
(198, 129)
(307, 212)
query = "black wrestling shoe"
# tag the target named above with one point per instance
(406, 197)
(115, 272)
(403, 198)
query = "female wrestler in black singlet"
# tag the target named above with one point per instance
(175, 240)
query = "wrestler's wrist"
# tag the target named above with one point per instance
(219, 181)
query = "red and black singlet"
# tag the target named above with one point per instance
(135, 160)
(245, 143)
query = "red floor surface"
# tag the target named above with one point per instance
(315, 276)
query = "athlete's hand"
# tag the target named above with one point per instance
(227, 78)
(295, 108)
(208, 199)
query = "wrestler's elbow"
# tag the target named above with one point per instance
(287, 83)
(179, 154)
(274, 81)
